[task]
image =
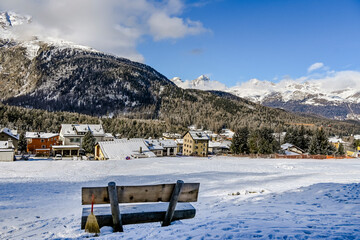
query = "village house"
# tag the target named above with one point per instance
(71, 137)
(219, 147)
(162, 147)
(41, 143)
(7, 151)
(226, 134)
(122, 149)
(291, 149)
(73, 134)
(171, 135)
(336, 141)
(195, 143)
(6, 134)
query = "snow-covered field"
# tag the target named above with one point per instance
(239, 198)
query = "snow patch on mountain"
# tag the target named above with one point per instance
(339, 88)
(11, 29)
(202, 83)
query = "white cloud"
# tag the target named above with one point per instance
(113, 26)
(163, 26)
(315, 66)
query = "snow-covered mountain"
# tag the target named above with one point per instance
(202, 83)
(326, 97)
(52, 74)
(309, 96)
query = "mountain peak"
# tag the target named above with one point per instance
(203, 78)
(11, 19)
(176, 80)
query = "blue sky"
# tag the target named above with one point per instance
(231, 41)
(260, 39)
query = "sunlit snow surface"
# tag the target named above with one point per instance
(279, 199)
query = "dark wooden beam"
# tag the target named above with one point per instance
(172, 204)
(114, 204)
(139, 213)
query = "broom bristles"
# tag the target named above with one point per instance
(92, 225)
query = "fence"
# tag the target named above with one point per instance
(302, 156)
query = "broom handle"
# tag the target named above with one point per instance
(92, 203)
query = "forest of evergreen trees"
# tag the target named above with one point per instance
(263, 141)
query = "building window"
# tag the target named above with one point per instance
(42, 140)
(43, 146)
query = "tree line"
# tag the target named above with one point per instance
(263, 141)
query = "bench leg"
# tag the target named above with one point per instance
(114, 203)
(172, 204)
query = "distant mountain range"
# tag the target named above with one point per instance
(306, 97)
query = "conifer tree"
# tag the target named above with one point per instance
(262, 141)
(341, 150)
(320, 144)
(240, 141)
(88, 143)
(22, 144)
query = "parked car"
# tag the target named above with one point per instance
(58, 157)
(24, 157)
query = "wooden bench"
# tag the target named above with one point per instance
(154, 207)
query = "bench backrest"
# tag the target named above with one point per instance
(145, 193)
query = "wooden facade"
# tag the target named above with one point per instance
(42, 144)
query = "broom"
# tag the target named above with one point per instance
(92, 225)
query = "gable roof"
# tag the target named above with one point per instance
(40, 135)
(9, 133)
(198, 135)
(74, 129)
(119, 149)
(287, 146)
(160, 144)
(223, 144)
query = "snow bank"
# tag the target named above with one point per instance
(239, 198)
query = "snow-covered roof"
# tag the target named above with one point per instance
(160, 144)
(80, 129)
(119, 149)
(153, 144)
(336, 140)
(10, 133)
(198, 135)
(109, 135)
(286, 146)
(171, 135)
(40, 135)
(223, 144)
(356, 137)
(227, 133)
(179, 141)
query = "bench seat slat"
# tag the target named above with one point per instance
(139, 213)
(146, 193)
